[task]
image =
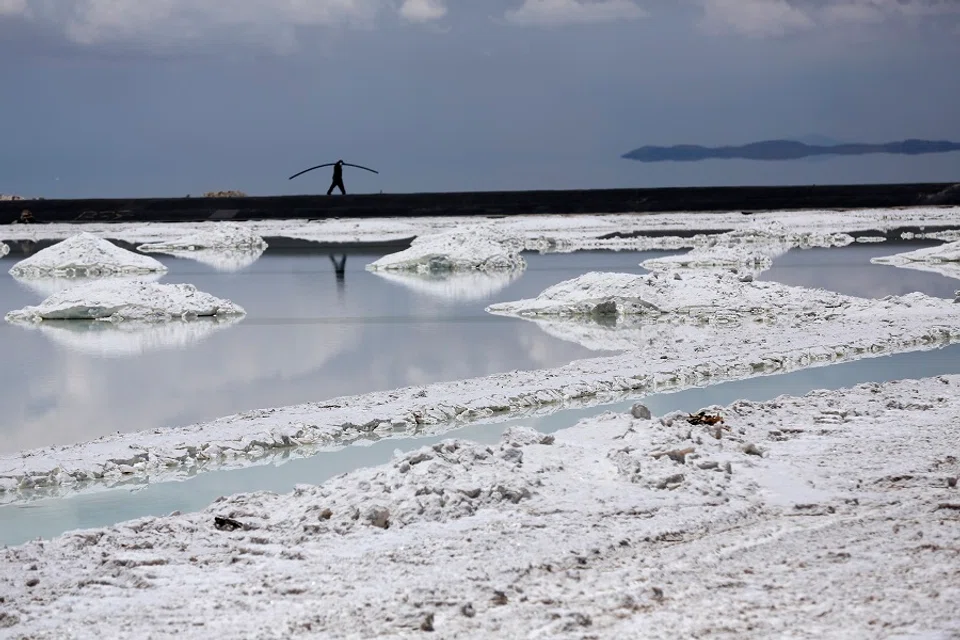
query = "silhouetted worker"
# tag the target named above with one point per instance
(337, 178)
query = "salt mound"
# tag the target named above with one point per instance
(4, 249)
(611, 295)
(85, 254)
(107, 300)
(482, 248)
(131, 337)
(219, 236)
(463, 285)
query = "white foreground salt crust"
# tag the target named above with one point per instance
(215, 235)
(453, 285)
(616, 527)
(130, 338)
(802, 328)
(127, 300)
(478, 247)
(85, 254)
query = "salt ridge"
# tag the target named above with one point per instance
(111, 300)
(85, 254)
(616, 527)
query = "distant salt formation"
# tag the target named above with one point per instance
(223, 246)
(225, 194)
(4, 249)
(114, 301)
(85, 255)
(943, 259)
(481, 248)
(7, 197)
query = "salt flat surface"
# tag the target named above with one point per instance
(112, 300)
(85, 254)
(212, 235)
(828, 515)
(474, 248)
(543, 232)
(800, 328)
(455, 285)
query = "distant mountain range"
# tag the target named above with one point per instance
(785, 150)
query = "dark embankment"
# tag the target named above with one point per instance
(785, 150)
(487, 203)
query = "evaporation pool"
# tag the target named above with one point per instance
(311, 335)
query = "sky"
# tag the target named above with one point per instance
(139, 98)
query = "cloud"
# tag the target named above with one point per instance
(423, 10)
(12, 7)
(559, 12)
(180, 24)
(754, 17)
(768, 18)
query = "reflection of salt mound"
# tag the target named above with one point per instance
(4, 249)
(462, 285)
(127, 300)
(132, 337)
(943, 259)
(220, 259)
(607, 296)
(85, 254)
(49, 285)
(221, 235)
(481, 248)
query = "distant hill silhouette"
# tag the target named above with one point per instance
(785, 150)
